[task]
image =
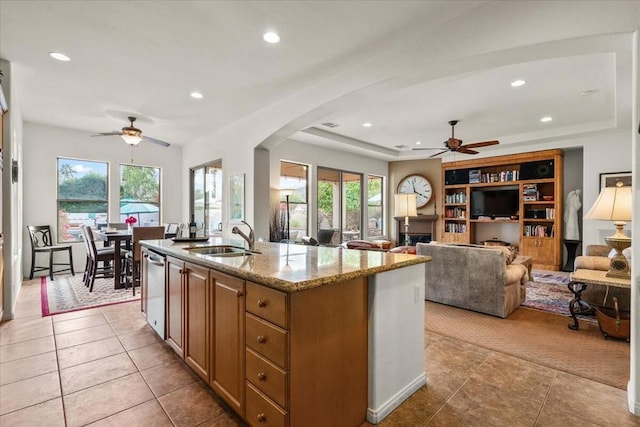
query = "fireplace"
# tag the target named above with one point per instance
(421, 229)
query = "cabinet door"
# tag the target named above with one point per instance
(196, 346)
(227, 375)
(175, 299)
(540, 249)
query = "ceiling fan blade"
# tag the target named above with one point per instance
(437, 154)
(155, 141)
(481, 144)
(118, 133)
(465, 150)
(427, 148)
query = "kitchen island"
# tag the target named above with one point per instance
(296, 335)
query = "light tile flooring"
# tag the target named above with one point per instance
(105, 367)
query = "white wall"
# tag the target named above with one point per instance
(11, 192)
(44, 144)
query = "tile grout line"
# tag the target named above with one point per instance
(546, 397)
(457, 389)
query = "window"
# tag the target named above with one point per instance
(375, 196)
(206, 198)
(339, 205)
(294, 181)
(140, 194)
(82, 197)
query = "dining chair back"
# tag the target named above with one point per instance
(95, 256)
(325, 236)
(134, 257)
(171, 229)
(42, 242)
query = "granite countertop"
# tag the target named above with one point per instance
(290, 267)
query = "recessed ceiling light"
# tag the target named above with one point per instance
(196, 95)
(271, 37)
(418, 142)
(59, 56)
(546, 119)
(367, 125)
(518, 83)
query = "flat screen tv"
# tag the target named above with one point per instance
(496, 202)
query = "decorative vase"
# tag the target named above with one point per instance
(129, 227)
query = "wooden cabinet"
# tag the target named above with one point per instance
(227, 346)
(541, 249)
(536, 221)
(293, 341)
(196, 343)
(277, 359)
(175, 305)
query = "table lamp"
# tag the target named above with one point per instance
(405, 206)
(614, 204)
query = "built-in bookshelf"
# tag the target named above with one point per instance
(537, 218)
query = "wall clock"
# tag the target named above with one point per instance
(418, 185)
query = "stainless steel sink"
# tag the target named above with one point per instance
(220, 250)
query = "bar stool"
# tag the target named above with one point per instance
(42, 242)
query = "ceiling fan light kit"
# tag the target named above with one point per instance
(132, 135)
(455, 145)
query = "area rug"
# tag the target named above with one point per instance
(68, 293)
(538, 337)
(548, 292)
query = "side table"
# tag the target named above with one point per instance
(579, 281)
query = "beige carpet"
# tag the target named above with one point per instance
(538, 337)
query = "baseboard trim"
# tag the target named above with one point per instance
(374, 416)
(634, 407)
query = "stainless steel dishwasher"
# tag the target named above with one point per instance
(156, 290)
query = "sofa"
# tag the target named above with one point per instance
(475, 277)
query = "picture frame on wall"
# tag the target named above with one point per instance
(610, 179)
(236, 198)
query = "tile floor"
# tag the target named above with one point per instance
(105, 367)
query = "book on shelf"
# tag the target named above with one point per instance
(475, 176)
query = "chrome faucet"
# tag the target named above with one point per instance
(251, 238)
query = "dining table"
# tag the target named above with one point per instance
(115, 238)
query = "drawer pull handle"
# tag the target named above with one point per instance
(262, 418)
(262, 339)
(262, 303)
(262, 376)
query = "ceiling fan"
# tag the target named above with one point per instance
(132, 135)
(455, 145)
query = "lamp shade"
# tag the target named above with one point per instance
(613, 204)
(405, 205)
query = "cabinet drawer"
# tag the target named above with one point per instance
(267, 303)
(267, 339)
(261, 411)
(267, 377)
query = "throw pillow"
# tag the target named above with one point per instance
(510, 253)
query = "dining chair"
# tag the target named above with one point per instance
(171, 229)
(132, 258)
(95, 256)
(42, 242)
(325, 236)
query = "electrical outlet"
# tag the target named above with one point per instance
(416, 293)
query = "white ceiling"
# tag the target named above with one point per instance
(143, 58)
